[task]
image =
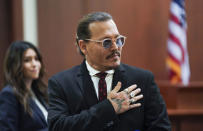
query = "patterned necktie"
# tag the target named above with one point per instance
(102, 86)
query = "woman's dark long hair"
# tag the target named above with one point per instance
(13, 74)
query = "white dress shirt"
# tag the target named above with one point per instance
(95, 79)
(41, 107)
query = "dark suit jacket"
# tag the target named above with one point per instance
(14, 118)
(74, 105)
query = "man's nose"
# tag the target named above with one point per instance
(114, 45)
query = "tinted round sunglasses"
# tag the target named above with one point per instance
(107, 43)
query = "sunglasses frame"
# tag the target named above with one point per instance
(102, 41)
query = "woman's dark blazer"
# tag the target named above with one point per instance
(14, 118)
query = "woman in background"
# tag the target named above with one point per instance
(23, 100)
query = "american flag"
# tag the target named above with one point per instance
(177, 59)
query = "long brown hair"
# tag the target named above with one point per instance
(13, 74)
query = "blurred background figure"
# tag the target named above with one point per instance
(23, 100)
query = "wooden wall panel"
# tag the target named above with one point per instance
(195, 38)
(184, 104)
(5, 27)
(16, 20)
(57, 22)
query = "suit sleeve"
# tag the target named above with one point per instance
(9, 116)
(155, 109)
(59, 117)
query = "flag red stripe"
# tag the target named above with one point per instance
(175, 19)
(177, 42)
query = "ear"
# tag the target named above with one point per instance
(83, 46)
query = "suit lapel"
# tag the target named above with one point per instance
(119, 75)
(37, 113)
(86, 85)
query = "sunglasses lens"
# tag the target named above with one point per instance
(120, 41)
(107, 43)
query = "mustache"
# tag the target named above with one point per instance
(113, 53)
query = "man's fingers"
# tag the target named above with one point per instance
(129, 89)
(117, 88)
(135, 92)
(132, 87)
(113, 93)
(134, 105)
(136, 98)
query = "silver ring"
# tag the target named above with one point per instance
(132, 94)
(131, 101)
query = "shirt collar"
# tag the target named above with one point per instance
(93, 71)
